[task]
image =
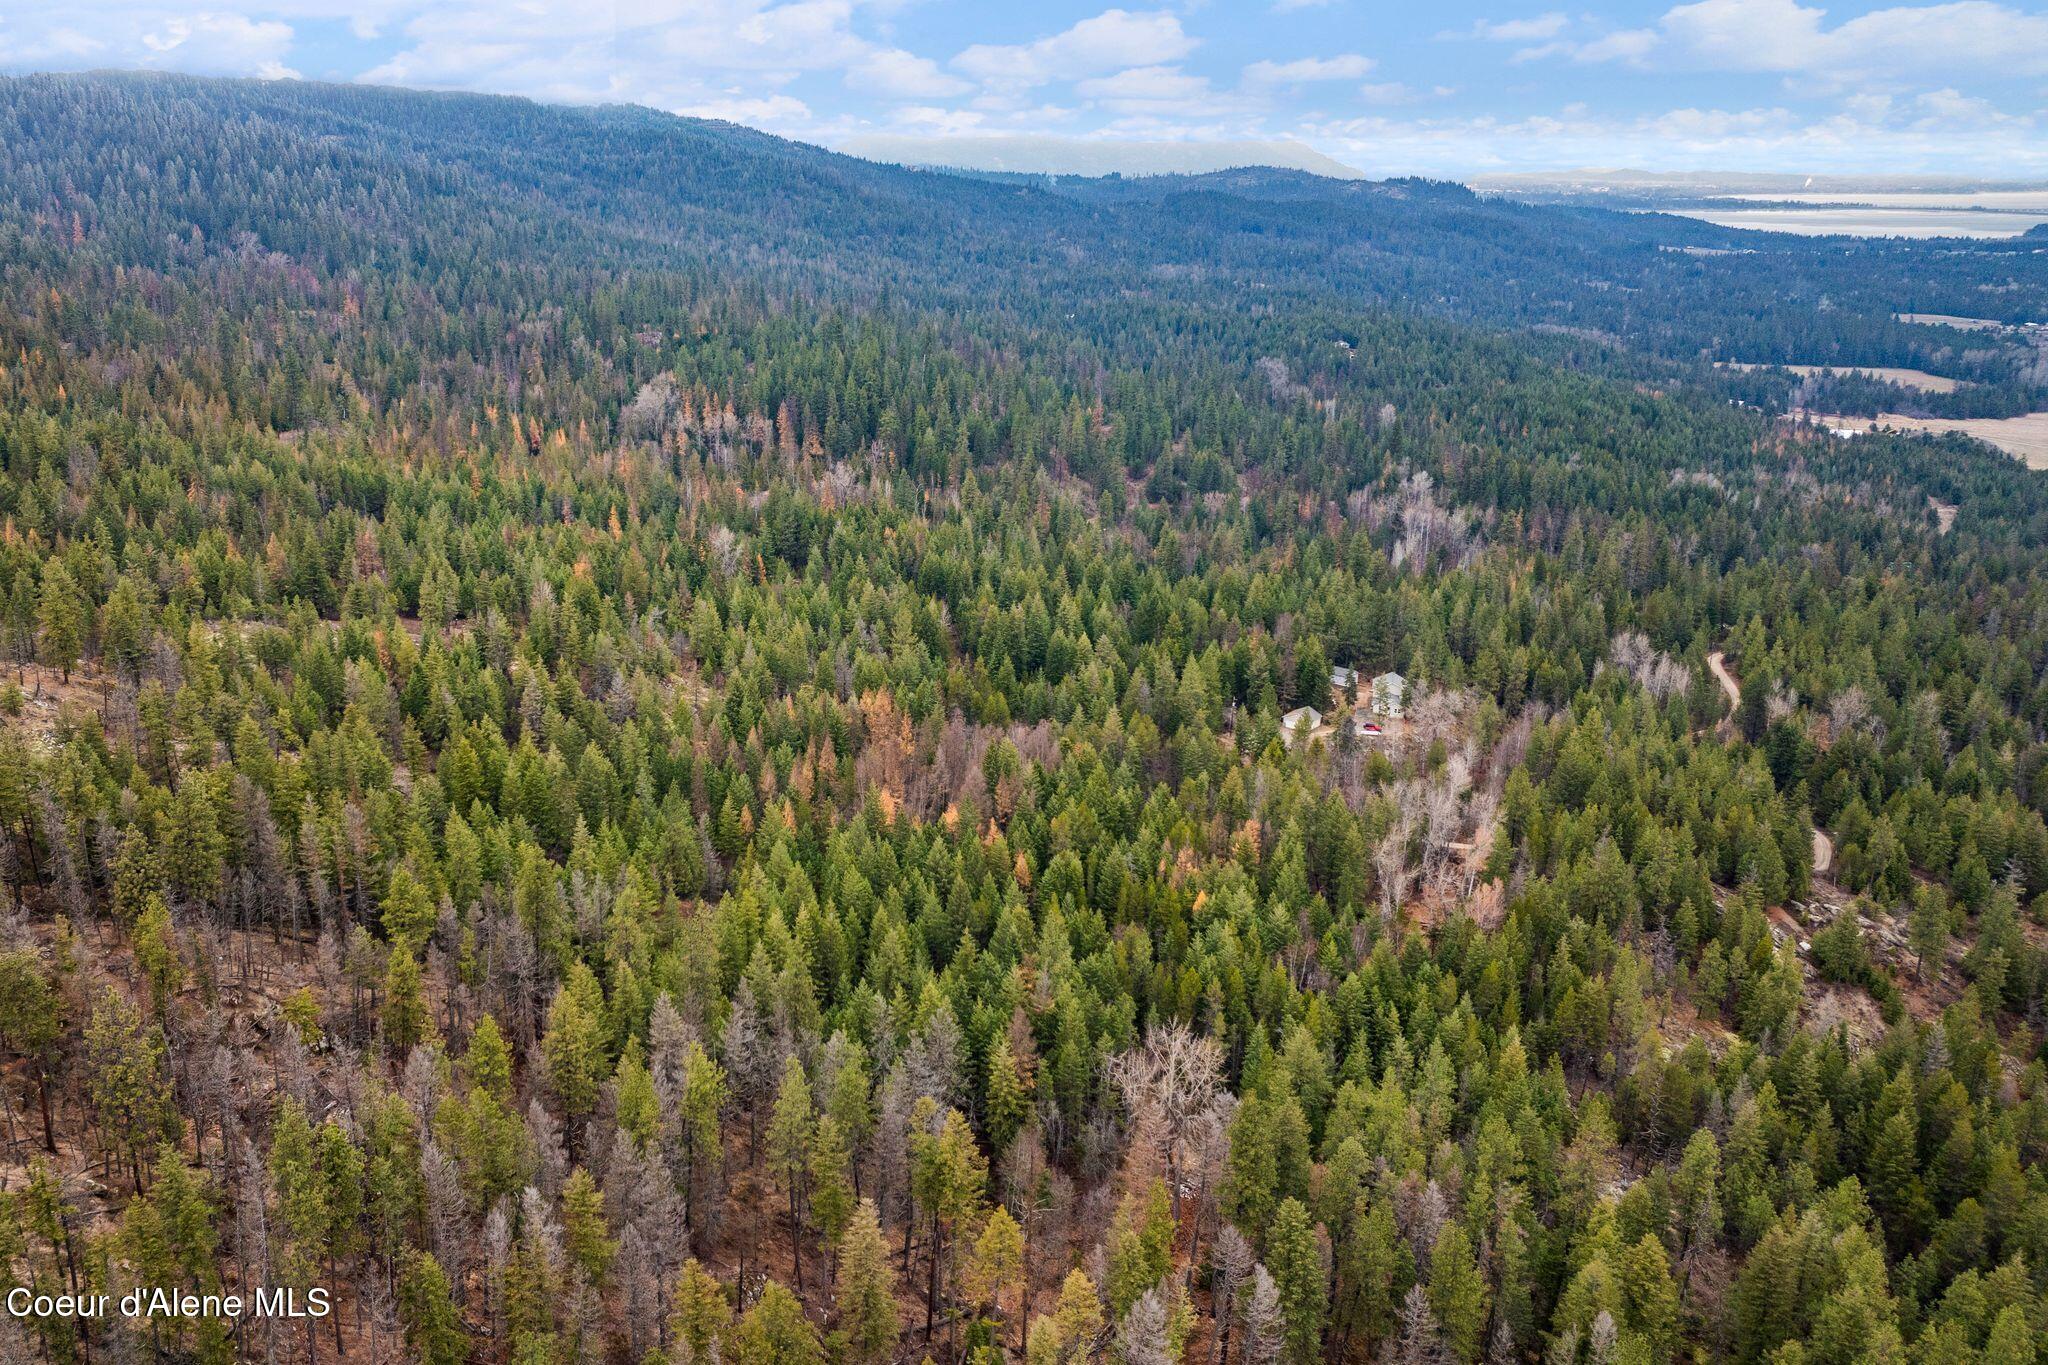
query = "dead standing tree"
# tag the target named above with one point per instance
(1173, 1086)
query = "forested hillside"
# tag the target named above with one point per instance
(625, 742)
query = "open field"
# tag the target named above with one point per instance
(2025, 437)
(1951, 320)
(1912, 379)
(1870, 222)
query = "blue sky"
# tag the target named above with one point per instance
(1448, 88)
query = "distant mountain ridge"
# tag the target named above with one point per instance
(1037, 155)
(365, 173)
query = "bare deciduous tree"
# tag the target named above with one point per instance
(1171, 1086)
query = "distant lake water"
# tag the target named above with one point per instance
(1991, 214)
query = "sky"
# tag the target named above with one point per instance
(1446, 88)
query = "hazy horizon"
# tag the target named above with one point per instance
(1458, 92)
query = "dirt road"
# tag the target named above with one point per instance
(1717, 664)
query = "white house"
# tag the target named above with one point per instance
(1301, 720)
(1389, 695)
(1343, 679)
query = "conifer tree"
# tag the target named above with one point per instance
(405, 1007)
(702, 1314)
(426, 1306)
(31, 1022)
(789, 1152)
(866, 1290)
(1457, 1293)
(61, 618)
(830, 1180)
(573, 1052)
(997, 1262)
(1008, 1100)
(583, 1226)
(1296, 1265)
(775, 1332)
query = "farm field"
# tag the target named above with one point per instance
(2025, 437)
(1951, 320)
(1912, 379)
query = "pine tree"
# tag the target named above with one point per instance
(948, 1174)
(1296, 1265)
(702, 1156)
(583, 1226)
(573, 1053)
(702, 1314)
(61, 618)
(405, 1007)
(2012, 1340)
(303, 1216)
(409, 911)
(1929, 927)
(124, 629)
(168, 1238)
(831, 1180)
(426, 1307)
(1649, 1296)
(1379, 1260)
(32, 1021)
(776, 1332)
(127, 1082)
(1008, 1099)
(1457, 1293)
(866, 1290)
(1077, 1319)
(1140, 1248)
(789, 1151)
(997, 1262)
(156, 953)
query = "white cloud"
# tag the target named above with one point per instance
(222, 43)
(204, 42)
(1154, 93)
(895, 74)
(1348, 66)
(1145, 83)
(731, 59)
(1516, 30)
(1114, 39)
(771, 111)
(1399, 92)
(1786, 37)
(1938, 131)
(1623, 45)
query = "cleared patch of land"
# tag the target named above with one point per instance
(2025, 436)
(1912, 379)
(1869, 222)
(1951, 320)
